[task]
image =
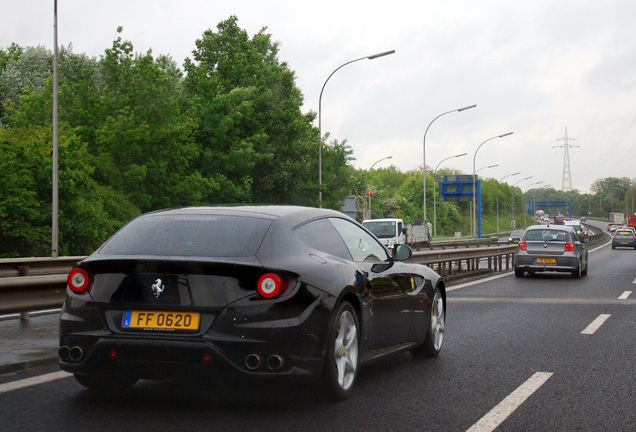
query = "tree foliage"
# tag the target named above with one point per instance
(137, 134)
(257, 146)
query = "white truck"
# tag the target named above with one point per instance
(617, 218)
(390, 231)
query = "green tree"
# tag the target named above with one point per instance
(257, 145)
(25, 179)
(142, 144)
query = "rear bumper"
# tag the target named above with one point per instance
(242, 340)
(147, 359)
(628, 244)
(562, 264)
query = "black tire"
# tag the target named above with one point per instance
(435, 334)
(587, 266)
(519, 272)
(578, 272)
(341, 361)
(106, 383)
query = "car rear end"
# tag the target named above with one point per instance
(547, 249)
(624, 238)
(158, 300)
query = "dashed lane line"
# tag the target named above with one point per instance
(625, 295)
(502, 411)
(596, 324)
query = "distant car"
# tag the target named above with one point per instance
(260, 292)
(554, 248)
(624, 237)
(578, 227)
(515, 236)
(559, 220)
(611, 227)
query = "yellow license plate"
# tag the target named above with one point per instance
(161, 320)
(546, 260)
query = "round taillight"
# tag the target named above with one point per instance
(270, 285)
(78, 280)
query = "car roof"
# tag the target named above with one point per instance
(552, 227)
(265, 211)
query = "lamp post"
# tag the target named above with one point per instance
(367, 178)
(513, 222)
(55, 156)
(475, 182)
(435, 193)
(509, 175)
(370, 57)
(525, 213)
(424, 151)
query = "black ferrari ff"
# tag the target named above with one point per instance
(253, 291)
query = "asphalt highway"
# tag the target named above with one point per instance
(543, 353)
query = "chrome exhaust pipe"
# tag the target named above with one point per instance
(253, 361)
(76, 353)
(275, 362)
(64, 352)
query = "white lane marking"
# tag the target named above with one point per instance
(498, 414)
(33, 381)
(625, 295)
(466, 284)
(634, 281)
(596, 324)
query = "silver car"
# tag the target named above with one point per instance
(556, 248)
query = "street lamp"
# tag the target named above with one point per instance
(370, 57)
(486, 167)
(525, 213)
(509, 175)
(424, 150)
(513, 222)
(475, 183)
(435, 193)
(367, 178)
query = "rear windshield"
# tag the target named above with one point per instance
(189, 235)
(547, 235)
(624, 234)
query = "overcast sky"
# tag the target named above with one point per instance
(533, 68)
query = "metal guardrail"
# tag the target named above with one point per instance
(31, 284)
(457, 262)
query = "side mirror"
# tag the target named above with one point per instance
(585, 240)
(402, 252)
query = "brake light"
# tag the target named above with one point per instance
(569, 246)
(523, 245)
(78, 280)
(271, 285)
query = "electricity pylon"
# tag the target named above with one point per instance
(567, 177)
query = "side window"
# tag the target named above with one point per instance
(321, 235)
(400, 228)
(361, 245)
